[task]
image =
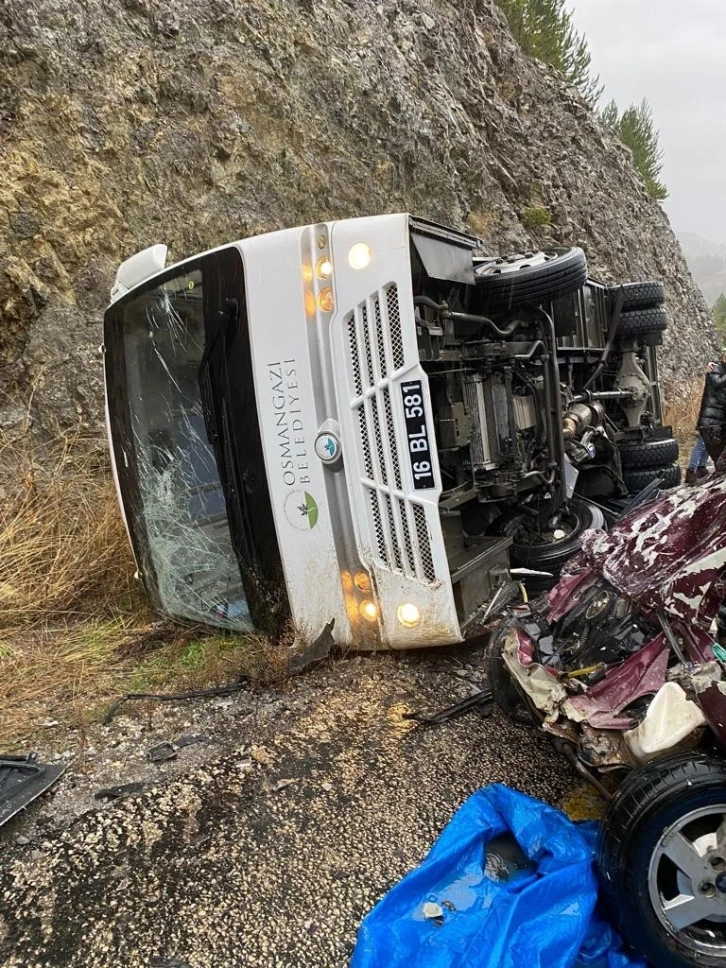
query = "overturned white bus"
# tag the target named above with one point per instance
(370, 422)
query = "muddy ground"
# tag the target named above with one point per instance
(266, 840)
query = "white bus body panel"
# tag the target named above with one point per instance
(305, 365)
(363, 511)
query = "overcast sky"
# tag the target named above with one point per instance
(674, 53)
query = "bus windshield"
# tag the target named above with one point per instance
(187, 530)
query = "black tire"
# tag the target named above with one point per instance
(651, 339)
(721, 619)
(642, 323)
(639, 295)
(506, 693)
(551, 557)
(669, 476)
(648, 453)
(531, 279)
(650, 802)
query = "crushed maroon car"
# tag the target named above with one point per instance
(620, 664)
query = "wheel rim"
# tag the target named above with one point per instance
(509, 264)
(570, 521)
(687, 880)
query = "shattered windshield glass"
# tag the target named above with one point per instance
(183, 502)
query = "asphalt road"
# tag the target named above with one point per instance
(226, 865)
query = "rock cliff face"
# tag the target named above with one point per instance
(194, 122)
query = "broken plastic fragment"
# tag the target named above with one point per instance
(122, 790)
(281, 784)
(432, 911)
(162, 753)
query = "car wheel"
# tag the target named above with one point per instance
(503, 688)
(635, 481)
(550, 555)
(648, 453)
(642, 323)
(661, 857)
(639, 295)
(530, 279)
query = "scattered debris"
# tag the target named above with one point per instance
(162, 753)
(432, 912)
(122, 790)
(189, 740)
(227, 690)
(281, 784)
(22, 779)
(482, 699)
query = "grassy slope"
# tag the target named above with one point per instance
(75, 627)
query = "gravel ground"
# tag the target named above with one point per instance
(267, 841)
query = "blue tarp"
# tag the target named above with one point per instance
(545, 917)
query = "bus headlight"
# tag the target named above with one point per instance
(360, 256)
(324, 269)
(369, 610)
(408, 615)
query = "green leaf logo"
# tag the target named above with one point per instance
(301, 510)
(310, 510)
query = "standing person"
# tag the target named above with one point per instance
(712, 418)
(697, 462)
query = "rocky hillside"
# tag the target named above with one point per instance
(707, 262)
(196, 121)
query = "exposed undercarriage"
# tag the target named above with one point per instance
(537, 380)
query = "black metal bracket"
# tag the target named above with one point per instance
(22, 779)
(482, 700)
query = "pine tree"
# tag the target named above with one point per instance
(636, 128)
(544, 29)
(719, 315)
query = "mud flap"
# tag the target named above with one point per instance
(314, 652)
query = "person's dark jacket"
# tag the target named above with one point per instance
(713, 401)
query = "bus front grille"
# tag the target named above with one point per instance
(398, 535)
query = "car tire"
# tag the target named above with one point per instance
(503, 688)
(642, 323)
(639, 295)
(648, 453)
(530, 279)
(552, 556)
(637, 877)
(635, 481)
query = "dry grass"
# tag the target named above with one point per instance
(682, 406)
(75, 627)
(62, 541)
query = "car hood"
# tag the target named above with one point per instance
(668, 555)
